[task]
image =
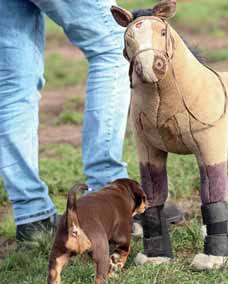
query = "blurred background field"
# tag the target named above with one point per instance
(204, 24)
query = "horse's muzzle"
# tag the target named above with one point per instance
(151, 72)
(160, 66)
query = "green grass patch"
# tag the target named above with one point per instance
(217, 55)
(54, 33)
(61, 72)
(3, 194)
(70, 117)
(18, 265)
(63, 169)
(7, 227)
(72, 112)
(77, 102)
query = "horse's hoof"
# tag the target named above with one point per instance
(207, 262)
(142, 259)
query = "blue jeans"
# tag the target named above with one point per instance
(89, 25)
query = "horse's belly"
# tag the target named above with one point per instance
(172, 137)
(166, 138)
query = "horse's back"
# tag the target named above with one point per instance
(224, 77)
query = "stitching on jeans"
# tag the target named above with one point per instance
(105, 16)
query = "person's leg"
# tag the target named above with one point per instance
(90, 26)
(21, 69)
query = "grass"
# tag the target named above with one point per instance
(72, 111)
(19, 265)
(217, 55)
(186, 241)
(62, 170)
(7, 227)
(54, 33)
(3, 194)
(70, 117)
(61, 72)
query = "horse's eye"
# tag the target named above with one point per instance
(163, 32)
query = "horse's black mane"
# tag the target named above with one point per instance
(142, 12)
(195, 51)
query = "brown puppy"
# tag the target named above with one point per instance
(92, 222)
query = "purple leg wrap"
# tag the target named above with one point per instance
(213, 183)
(154, 183)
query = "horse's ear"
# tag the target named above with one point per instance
(165, 9)
(122, 16)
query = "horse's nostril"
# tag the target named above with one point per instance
(159, 64)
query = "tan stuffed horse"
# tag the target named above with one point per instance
(179, 106)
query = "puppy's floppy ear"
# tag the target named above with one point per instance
(165, 9)
(122, 16)
(140, 196)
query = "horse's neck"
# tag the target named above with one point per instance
(185, 68)
(187, 77)
(188, 85)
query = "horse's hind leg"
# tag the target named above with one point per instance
(214, 185)
(154, 182)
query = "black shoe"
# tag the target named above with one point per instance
(173, 214)
(29, 234)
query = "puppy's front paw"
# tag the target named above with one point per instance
(116, 263)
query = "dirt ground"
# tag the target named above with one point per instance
(51, 105)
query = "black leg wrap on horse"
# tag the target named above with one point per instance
(215, 217)
(155, 233)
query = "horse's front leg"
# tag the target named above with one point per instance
(214, 185)
(157, 247)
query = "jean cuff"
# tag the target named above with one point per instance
(35, 217)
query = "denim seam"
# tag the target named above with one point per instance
(10, 165)
(110, 124)
(105, 17)
(109, 28)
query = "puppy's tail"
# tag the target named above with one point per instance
(71, 212)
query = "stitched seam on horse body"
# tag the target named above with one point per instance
(159, 105)
(180, 134)
(164, 145)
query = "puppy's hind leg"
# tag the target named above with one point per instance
(101, 259)
(56, 264)
(122, 248)
(59, 255)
